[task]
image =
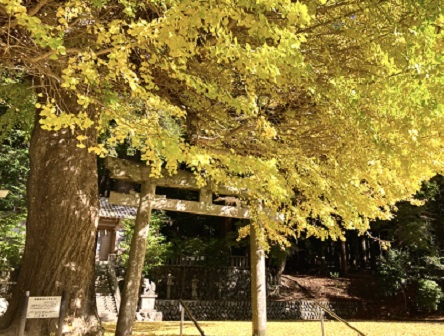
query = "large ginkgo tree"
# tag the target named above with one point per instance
(326, 110)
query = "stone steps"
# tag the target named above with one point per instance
(106, 304)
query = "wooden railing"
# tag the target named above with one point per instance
(186, 261)
(336, 317)
(184, 309)
(239, 261)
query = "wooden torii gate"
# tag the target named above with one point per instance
(148, 200)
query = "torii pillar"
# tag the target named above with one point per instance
(126, 170)
(258, 285)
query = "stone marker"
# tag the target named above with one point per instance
(147, 303)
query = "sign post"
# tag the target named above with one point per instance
(21, 330)
(182, 318)
(41, 307)
(62, 314)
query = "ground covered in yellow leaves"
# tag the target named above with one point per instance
(300, 328)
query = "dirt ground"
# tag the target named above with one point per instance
(355, 287)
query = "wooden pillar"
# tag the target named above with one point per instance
(128, 304)
(258, 286)
(113, 240)
(206, 196)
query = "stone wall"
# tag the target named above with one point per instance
(212, 310)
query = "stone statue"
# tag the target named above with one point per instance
(147, 312)
(149, 287)
(152, 288)
(146, 285)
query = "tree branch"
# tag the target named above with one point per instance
(3, 10)
(52, 52)
(34, 10)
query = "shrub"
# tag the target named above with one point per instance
(393, 271)
(429, 295)
(12, 241)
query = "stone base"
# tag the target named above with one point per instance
(149, 316)
(147, 302)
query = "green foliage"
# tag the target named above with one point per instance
(400, 271)
(12, 241)
(416, 233)
(393, 272)
(334, 274)
(419, 228)
(14, 167)
(200, 240)
(17, 101)
(157, 247)
(429, 295)
(205, 251)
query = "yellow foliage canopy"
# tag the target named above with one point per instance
(328, 110)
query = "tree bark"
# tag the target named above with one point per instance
(60, 230)
(133, 274)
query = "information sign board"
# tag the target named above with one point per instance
(43, 307)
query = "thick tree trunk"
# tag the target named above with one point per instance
(60, 230)
(133, 274)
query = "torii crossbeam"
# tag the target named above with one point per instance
(148, 200)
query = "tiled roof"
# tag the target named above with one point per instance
(116, 211)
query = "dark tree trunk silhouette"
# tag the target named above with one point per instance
(343, 260)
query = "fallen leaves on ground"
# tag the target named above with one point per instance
(299, 328)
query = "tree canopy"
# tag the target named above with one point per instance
(323, 109)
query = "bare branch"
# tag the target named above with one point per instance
(53, 52)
